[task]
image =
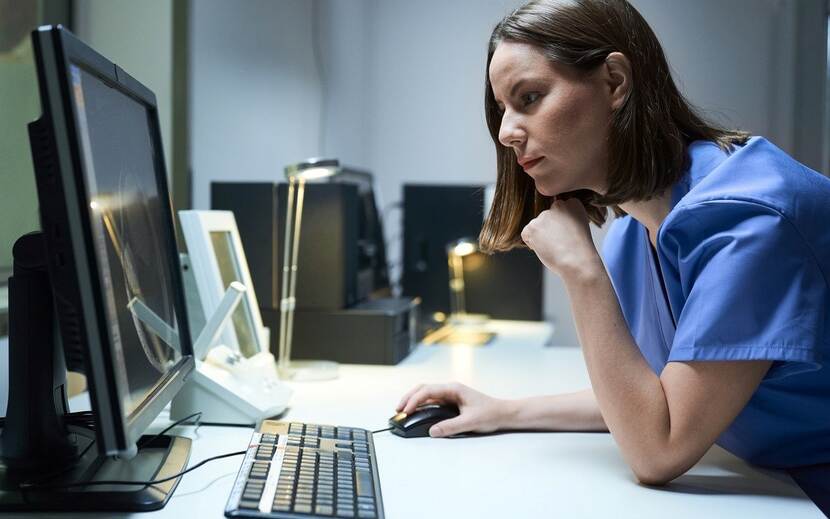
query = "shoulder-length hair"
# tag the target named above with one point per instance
(648, 134)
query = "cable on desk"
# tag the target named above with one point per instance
(34, 486)
(382, 430)
(196, 416)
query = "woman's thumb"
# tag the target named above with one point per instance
(449, 427)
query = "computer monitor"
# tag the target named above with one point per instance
(436, 215)
(107, 245)
(372, 268)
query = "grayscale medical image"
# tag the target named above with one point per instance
(131, 248)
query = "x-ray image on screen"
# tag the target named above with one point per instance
(127, 230)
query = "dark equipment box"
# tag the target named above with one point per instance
(379, 331)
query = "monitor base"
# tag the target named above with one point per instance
(165, 456)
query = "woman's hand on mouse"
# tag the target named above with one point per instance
(478, 412)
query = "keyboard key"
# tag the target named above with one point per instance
(364, 484)
(254, 491)
(251, 496)
(249, 504)
(295, 428)
(323, 509)
(302, 508)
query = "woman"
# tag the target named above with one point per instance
(709, 319)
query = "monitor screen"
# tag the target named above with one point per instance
(126, 216)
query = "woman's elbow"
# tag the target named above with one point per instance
(653, 478)
(659, 470)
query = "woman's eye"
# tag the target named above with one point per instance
(529, 98)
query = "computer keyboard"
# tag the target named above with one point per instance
(305, 470)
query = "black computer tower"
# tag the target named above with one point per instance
(433, 216)
(327, 277)
(503, 285)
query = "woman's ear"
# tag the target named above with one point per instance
(618, 78)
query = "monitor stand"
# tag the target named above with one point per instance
(40, 444)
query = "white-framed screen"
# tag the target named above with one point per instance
(217, 259)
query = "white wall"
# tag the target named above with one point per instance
(739, 69)
(254, 90)
(400, 86)
(347, 45)
(138, 37)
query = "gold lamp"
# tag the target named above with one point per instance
(297, 176)
(455, 259)
(460, 327)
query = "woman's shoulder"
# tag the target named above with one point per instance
(758, 173)
(758, 182)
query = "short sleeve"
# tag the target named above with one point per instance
(750, 287)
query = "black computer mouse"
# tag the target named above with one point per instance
(417, 424)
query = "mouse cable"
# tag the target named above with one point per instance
(34, 486)
(197, 416)
(382, 430)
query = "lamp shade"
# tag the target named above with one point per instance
(312, 169)
(462, 247)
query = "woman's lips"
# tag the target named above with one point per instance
(530, 163)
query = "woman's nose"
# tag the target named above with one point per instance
(511, 133)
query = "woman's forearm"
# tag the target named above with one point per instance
(567, 412)
(629, 394)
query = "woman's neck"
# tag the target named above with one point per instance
(650, 213)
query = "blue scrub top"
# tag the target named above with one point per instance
(740, 272)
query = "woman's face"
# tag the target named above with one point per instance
(554, 119)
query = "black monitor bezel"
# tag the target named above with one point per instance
(55, 49)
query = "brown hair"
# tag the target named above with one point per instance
(648, 134)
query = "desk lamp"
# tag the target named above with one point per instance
(460, 327)
(297, 175)
(456, 252)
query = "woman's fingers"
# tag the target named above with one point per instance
(442, 392)
(407, 396)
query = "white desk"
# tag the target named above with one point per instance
(519, 475)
